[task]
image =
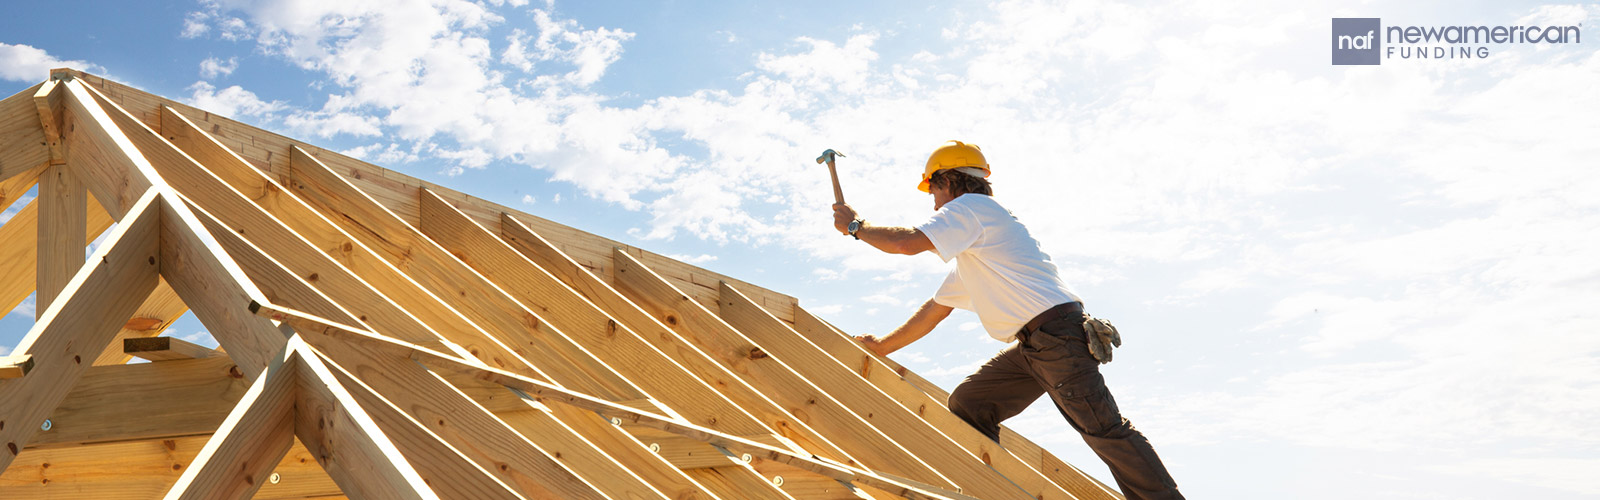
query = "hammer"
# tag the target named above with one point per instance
(827, 156)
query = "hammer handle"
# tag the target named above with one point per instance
(838, 193)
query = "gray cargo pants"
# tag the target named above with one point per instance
(1055, 359)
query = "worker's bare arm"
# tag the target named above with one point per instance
(890, 239)
(923, 321)
(897, 240)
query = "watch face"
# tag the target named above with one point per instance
(855, 225)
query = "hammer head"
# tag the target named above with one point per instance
(827, 156)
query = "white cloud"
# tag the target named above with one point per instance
(694, 259)
(26, 308)
(528, 199)
(24, 63)
(202, 338)
(213, 67)
(881, 299)
(4, 350)
(233, 101)
(1567, 474)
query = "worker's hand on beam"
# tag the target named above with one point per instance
(872, 343)
(842, 215)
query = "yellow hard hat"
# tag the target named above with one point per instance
(953, 154)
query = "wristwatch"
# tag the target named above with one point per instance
(855, 225)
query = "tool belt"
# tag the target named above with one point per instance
(1099, 334)
(1049, 315)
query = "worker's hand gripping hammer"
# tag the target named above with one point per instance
(827, 157)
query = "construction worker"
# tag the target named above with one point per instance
(1002, 274)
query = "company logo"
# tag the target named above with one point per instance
(1360, 41)
(1357, 41)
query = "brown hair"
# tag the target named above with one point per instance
(960, 183)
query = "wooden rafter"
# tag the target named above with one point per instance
(71, 332)
(777, 380)
(284, 284)
(22, 140)
(548, 393)
(900, 423)
(520, 329)
(913, 391)
(252, 440)
(669, 342)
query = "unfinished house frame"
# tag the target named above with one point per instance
(384, 337)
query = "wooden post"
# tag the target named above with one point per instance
(63, 217)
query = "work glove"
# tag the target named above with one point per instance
(1102, 338)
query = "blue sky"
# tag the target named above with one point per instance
(1334, 282)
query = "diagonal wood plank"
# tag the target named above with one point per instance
(523, 330)
(101, 155)
(585, 284)
(926, 441)
(200, 272)
(548, 393)
(71, 332)
(250, 442)
(449, 415)
(441, 466)
(911, 389)
(615, 342)
(347, 441)
(18, 185)
(237, 195)
(777, 380)
(22, 142)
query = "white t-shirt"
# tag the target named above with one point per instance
(1001, 273)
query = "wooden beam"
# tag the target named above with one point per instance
(239, 203)
(63, 215)
(250, 442)
(22, 141)
(279, 283)
(347, 441)
(13, 188)
(157, 313)
(929, 399)
(440, 459)
(521, 330)
(309, 278)
(145, 401)
(668, 341)
(267, 152)
(165, 349)
(613, 341)
(453, 417)
(103, 157)
(143, 469)
(99, 300)
(15, 366)
(548, 393)
(214, 287)
(777, 380)
(19, 252)
(47, 101)
(968, 465)
(739, 481)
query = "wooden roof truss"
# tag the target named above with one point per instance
(383, 337)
